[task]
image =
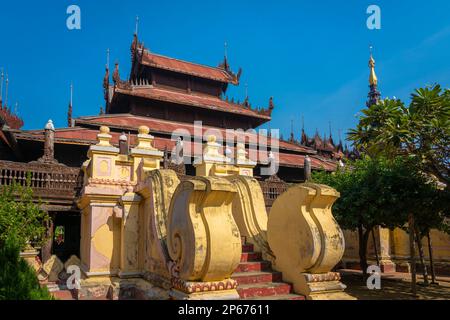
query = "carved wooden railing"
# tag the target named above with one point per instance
(48, 181)
(272, 188)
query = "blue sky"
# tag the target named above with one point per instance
(311, 56)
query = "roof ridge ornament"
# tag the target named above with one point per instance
(373, 80)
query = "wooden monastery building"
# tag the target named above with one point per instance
(164, 94)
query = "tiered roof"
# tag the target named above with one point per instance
(193, 69)
(191, 99)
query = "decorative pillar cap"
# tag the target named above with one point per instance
(123, 137)
(49, 125)
(211, 152)
(104, 137)
(241, 156)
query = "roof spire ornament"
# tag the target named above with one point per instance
(6, 93)
(2, 76)
(107, 58)
(70, 109)
(304, 139)
(292, 138)
(374, 95)
(116, 75)
(373, 80)
(137, 26)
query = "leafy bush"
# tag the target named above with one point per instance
(18, 280)
(21, 217)
(22, 221)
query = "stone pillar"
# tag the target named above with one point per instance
(203, 240)
(123, 144)
(307, 168)
(307, 242)
(49, 144)
(383, 239)
(244, 165)
(144, 156)
(100, 224)
(212, 162)
(129, 243)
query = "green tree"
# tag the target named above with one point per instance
(18, 280)
(419, 133)
(422, 129)
(379, 192)
(362, 205)
(22, 221)
(21, 217)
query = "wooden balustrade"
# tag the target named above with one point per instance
(272, 188)
(47, 180)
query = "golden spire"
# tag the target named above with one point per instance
(373, 80)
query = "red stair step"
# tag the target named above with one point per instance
(263, 289)
(247, 247)
(251, 256)
(256, 277)
(253, 266)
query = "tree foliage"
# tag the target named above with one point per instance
(382, 192)
(18, 280)
(422, 130)
(21, 221)
(20, 217)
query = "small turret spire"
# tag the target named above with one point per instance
(373, 80)
(374, 95)
(225, 49)
(70, 109)
(1, 87)
(6, 87)
(137, 26)
(292, 137)
(107, 58)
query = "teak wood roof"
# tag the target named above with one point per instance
(190, 99)
(162, 62)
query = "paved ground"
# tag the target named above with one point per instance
(394, 286)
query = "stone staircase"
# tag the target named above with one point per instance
(257, 281)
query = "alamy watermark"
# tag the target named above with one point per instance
(263, 146)
(374, 280)
(74, 280)
(73, 21)
(374, 20)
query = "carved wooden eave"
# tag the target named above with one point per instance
(12, 141)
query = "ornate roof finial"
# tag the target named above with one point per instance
(292, 138)
(224, 65)
(71, 93)
(225, 49)
(107, 58)
(271, 105)
(373, 80)
(116, 75)
(137, 26)
(70, 109)
(6, 93)
(374, 94)
(1, 87)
